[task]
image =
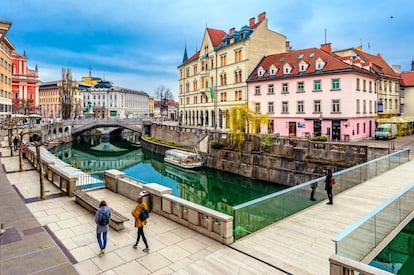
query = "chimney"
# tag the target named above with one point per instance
(287, 44)
(251, 22)
(232, 30)
(412, 65)
(261, 16)
(326, 47)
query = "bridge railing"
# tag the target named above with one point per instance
(261, 212)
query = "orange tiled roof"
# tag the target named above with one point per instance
(381, 67)
(216, 36)
(332, 63)
(407, 79)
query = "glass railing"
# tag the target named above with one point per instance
(259, 213)
(358, 240)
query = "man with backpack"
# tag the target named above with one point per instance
(140, 213)
(102, 217)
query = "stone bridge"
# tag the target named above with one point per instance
(80, 126)
(64, 130)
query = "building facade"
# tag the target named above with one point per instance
(50, 98)
(407, 89)
(387, 84)
(312, 92)
(213, 80)
(25, 86)
(107, 101)
(6, 51)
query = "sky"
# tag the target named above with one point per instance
(139, 44)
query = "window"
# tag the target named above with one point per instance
(357, 84)
(238, 95)
(285, 107)
(270, 89)
(223, 60)
(301, 87)
(316, 85)
(286, 69)
(370, 106)
(257, 90)
(300, 106)
(285, 88)
(335, 84)
(257, 107)
(396, 104)
(270, 107)
(336, 106)
(223, 96)
(358, 110)
(364, 85)
(272, 70)
(370, 86)
(260, 71)
(316, 106)
(238, 55)
(364, 106)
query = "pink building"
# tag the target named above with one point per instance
(25, 86)
(312, 92)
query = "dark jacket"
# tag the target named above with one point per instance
(328, 179)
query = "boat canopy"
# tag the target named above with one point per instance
(180, 154)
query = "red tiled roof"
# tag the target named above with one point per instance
(407, 79)
(191, 59)
(309, 56)
(381, 67)
(216, 36)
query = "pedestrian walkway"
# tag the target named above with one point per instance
(302, 243)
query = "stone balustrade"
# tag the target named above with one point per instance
(341, 265)
(61, 174)
(208, 222)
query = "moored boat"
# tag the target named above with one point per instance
(183, 159)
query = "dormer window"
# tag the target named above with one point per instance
(303, 66)
(286, 69)
(319, 64)
(273, 70)
(260, 71)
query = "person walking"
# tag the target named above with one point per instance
(328, 186)
(136, 213)
(102, 217)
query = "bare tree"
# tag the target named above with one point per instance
(67, 93)
(163, 94)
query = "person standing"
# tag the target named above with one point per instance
(102, 217)
(328, 186)
(313, 187)
(136, 213)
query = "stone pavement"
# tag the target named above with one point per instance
(57, 235)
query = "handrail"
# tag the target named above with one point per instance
(374, 212)
(293, 188)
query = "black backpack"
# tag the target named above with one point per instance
(104, 219)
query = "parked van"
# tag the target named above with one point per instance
(386, 131)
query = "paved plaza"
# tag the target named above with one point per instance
(57, 236)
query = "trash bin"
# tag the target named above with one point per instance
(146, 197)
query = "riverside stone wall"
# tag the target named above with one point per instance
(281, 160)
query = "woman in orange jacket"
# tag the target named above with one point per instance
(140, 224)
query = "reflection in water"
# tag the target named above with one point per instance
(211, 188)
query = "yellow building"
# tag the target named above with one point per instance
(6, 50)
(213, 80)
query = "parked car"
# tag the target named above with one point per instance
(386, 131)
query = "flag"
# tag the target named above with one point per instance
(211, 92)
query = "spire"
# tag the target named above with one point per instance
(185, 57)
(24, 53)
(36, 68)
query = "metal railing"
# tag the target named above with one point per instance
(259, 213)
(90, 180)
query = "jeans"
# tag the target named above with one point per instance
(100, 240)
